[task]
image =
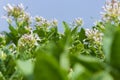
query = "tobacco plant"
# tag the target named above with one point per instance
(34, 49)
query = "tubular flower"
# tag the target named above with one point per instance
(78, 22)
(94, 35)
(54, 22)
(17, 14)
(26, 46)
(13, 10)
(27, 42)
(94, 42)
(111, 11)
(25, 18)
(42, 22)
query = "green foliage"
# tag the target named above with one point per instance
(41, 52)
(47, 68)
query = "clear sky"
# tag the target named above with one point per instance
(67, 10)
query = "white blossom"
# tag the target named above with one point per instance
(21, 6)
(54, 22)
(8, 8)
(27, 42)
(78, 22)
(111, 10)
(40, 21)
(13, 10)
(94, 35)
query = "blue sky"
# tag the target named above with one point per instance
(67, 10)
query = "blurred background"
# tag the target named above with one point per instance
(62, 10)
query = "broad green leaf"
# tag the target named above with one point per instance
(78, 72)
(47, 68)
(90, 63)
(102, 75)
(26, 68)
(115, 51)
(64, 61)
(115, 56)
(108, 39)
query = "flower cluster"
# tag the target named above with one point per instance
(27, 42)
(42, 22)
(94, 35)
(78, 22)
(54, 22)
(94, 42)
(13, 10)
(111, 11)
(17, 13)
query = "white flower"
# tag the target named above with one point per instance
(27, 41)
(8, 8)
(13, 10)
(78, 22)
(54, 22)
(98, 23)
(26, 45)
(21, 6)
(39, 18)
(94, 35)
(40, 21)
(111, 10)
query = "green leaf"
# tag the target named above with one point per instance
(64, 61)
(27, 68)
(67, 29)
(90, 63)
(115, 51)
(108, 39)
(74, 31)
(13, 30)
(79, 73)
(102, 75)
(115, 56)
(47, 68)
(10, 66)
(1, 76)
(41, 32)
(82, 35)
